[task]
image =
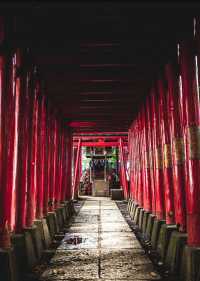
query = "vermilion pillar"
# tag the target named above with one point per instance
(131, 160)
(178, 150)
(61, 166)
(23, 148)
(53, 162)
(12, 113)
(76, 170)
(123, 169)
(4, 231)
(140, 162)
(135, 162)
(157, 152)
(59, 148)
(167, 159)
(63, 182)
(149, 147)
(32, 159)
(68, 171)
(190, 91)
(40, 161)
(47, 165)
(147, 175)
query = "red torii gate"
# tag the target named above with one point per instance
(120, 143)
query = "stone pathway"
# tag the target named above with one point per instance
(100, 246)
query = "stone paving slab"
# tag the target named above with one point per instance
(68, 272)
(87, 218)
(115, 226)
(119, 240)
(71, 257)
(126, 256)
(79, 241)
(106, 218)
(100, 246)
(129, 272)
(83, 227)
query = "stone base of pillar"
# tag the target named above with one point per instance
(190, 270)
(164, 239)
(24, 251)
(175, 252)
(46, 238)
(8, 270)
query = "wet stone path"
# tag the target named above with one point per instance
(100, 246)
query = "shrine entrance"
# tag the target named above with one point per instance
(99, 165)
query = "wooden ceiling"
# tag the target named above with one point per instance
(98, 59)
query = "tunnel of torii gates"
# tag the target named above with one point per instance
(163, 145)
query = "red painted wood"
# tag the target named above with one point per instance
(69, 150)
(190, 89)
(53, 162)
(40, 161)
(23, 148)
(178, 153)
(167, 154)
(58, 177)
(76, 172)
(158, 163)
(63, 182)
(99, 144)
(147, 175)
(123, 169)
(47, 164)
(12, 108)
(31, 189)
(140, 163)
(3, 152)
(150, 129)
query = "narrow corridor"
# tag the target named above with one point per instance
(100, 245)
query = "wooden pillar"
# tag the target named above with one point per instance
(191, 121)
(167, 154)
(32, 158)
(157, 152)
